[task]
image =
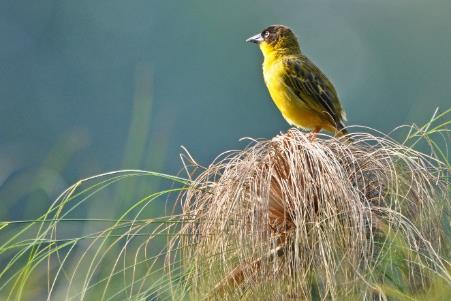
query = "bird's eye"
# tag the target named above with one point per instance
(266, 34)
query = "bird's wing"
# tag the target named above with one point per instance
(312, 87)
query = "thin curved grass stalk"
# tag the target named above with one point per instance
(289, 218)
(74, 264)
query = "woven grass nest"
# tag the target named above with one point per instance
(352, 218)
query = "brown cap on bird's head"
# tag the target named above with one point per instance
(277, 37)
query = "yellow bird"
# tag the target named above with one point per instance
(302, 93)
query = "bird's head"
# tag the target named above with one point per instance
(276, 39)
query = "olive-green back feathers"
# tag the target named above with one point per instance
(307, 81)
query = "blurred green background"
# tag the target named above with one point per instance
(90, 86)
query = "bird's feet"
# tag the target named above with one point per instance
(312, 135)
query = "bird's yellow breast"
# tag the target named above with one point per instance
(294, 110)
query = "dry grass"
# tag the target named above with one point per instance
(333, 219)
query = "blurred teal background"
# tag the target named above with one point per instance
(90, 86)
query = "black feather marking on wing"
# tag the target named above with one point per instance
(305, 80)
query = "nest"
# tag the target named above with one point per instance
(295, 219)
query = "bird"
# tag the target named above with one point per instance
(303, 94)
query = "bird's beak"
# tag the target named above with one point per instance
(257, 39)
